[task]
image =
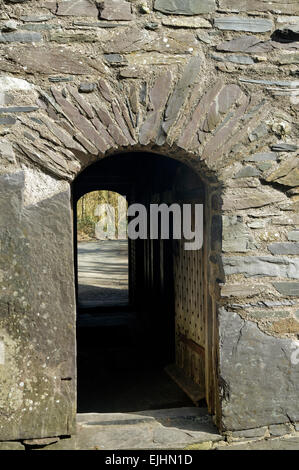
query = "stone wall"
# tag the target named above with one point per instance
(213, 83)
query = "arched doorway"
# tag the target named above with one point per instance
(166, 320)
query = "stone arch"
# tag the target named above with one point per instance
(169, 112)
(174, 113)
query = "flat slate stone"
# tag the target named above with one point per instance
(241, 44)
(255, 432)
(285, 147)
(115, 10)
(246, 172)
(46, 60)
(238, 23)
(7, 120)
(185, 22)
(185, 7)
(240, 290)
(36, 19)
(20, 36)
(268, 266)
(234, 58)
(278, 83)
(287, 288)
(78, 8)
(60, 79)
(293, 236)
(18, 109)
(283, 6)
(261, 157)
(287, 248)
(251, 199)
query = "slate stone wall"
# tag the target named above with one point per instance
(213, 83)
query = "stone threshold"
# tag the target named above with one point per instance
(186, 428)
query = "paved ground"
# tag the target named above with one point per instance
(119, 368)
(103, 273)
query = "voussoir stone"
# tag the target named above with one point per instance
(177, 99)
(185, 7)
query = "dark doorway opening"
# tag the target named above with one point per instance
(124, 347)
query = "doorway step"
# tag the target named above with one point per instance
(176, 428)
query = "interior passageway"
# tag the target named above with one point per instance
(126, 323)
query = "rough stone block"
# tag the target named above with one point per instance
(236, 235)
(287, 173)
(7, 152)
(259, 383)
